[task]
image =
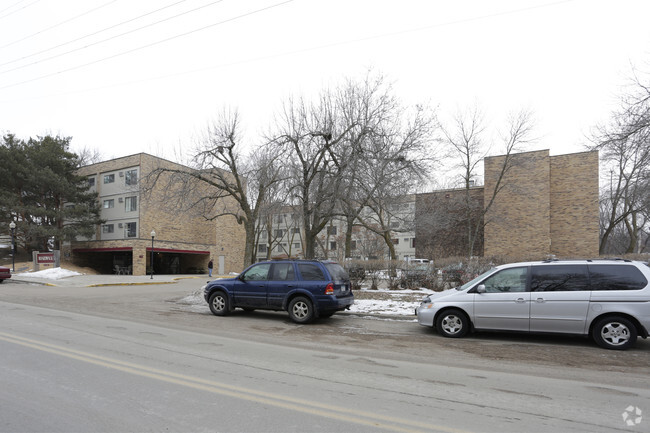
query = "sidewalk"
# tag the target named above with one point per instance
(105, 280)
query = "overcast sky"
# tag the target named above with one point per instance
(146, 76)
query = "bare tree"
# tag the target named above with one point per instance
(221, 173)
(469, 146)
(624, 145)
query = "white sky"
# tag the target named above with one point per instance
(564, 60)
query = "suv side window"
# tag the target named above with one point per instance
(507, 280)
(559, 278)
(282, 272)
(257, 273)
(616, 277)
(310, 272)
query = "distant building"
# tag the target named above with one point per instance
(184, 242)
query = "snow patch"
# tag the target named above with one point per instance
(50, 274)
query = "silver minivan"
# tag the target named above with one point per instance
(608, 300)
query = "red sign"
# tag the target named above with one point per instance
(45, 258)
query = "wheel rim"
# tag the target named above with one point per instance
(615, 333)
(452, 324)
(300, 310)
(218, 303)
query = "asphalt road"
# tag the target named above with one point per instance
(132, 358)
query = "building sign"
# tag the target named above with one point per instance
(45, 258)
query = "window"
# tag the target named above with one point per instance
(559, 278)
(108, 204)
(131, 204)
(413, 243)
(263, 234)
(130, 230)
(406, 239)
(108, 228)
(295, 230)
(507, 280)
(395, 241)
(131, 177)
(394, 224)
(616, 277)
(279, 219)
(333, 245)
(283, 272)
(310, 272)
(278, 233)
(261, 248)
(331, 231)
(257, 273)
(109, 178)
(91, 182)
(296, 245)
(353, 245)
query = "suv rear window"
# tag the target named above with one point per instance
(559, 278)
(337, 272)
(616, 277)
(310, 272)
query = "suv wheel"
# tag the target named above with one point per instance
(614, 332)
(219, 304)
(453, 324)
(301, 310)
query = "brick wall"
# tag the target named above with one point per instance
(574, 205)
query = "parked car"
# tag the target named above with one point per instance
(608, 300)
(417, 273)
(306, 289)
(5, 273)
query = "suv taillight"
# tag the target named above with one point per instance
(329, 289)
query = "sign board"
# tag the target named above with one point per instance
(46, 260)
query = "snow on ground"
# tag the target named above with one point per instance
(381, 302)
(50, 274)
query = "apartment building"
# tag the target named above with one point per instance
(145, 231)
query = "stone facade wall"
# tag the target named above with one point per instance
(547, 205)
(518, 223)
(574, 205)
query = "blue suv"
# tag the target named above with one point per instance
(306, 289)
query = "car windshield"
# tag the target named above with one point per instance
(337, 272)
(469, 284)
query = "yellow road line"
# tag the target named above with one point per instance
(272, 399)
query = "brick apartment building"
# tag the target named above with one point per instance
(548, 205)
(184, 241)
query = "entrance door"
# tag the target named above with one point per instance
(222, 265)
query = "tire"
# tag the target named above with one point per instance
(453, 324)
(219, 304)
(614, 332)
(301, 310)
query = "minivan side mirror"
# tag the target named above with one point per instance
(480, 288)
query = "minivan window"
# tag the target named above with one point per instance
(616, 277)
(310, 272)
(507, 280)
(559, 278)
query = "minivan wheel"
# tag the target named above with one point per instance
(452, 324)
(614, 332)
(219, 304)
(301, 310)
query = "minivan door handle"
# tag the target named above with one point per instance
(520, 300)
(540, 300)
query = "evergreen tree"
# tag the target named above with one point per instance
(41, 191)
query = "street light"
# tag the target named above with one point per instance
(153, 235)
(12, 226)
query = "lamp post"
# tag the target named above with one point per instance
(153, 235)
(12, 226)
